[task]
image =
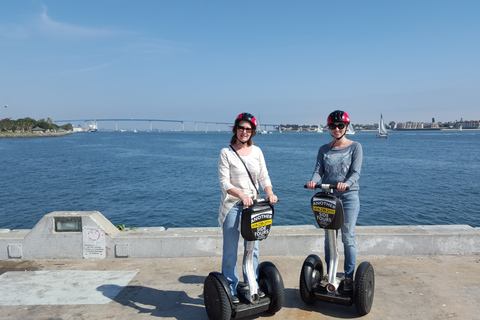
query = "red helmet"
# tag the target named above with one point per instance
(247, 117)
(338, 116)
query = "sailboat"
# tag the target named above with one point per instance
(260, 131)
(350, 130)
(382, 130)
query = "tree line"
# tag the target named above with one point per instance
(27, 124)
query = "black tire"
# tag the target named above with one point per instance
(217, 303)
(364, 288)
(271, 283)
(312, 273)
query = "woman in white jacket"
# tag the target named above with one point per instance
(238, 192)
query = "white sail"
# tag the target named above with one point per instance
(260, 131)
(382, 129)
(350, 129)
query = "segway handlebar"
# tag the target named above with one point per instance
(326, 186)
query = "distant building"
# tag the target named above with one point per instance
(38, 130)
(470, 124)
(416, 126)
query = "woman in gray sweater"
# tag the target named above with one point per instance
(339, 163)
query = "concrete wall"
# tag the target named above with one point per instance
(43, 242)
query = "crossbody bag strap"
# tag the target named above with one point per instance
(251, 179)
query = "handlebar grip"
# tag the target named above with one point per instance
(326, 186)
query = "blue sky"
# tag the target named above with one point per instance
(284, 61)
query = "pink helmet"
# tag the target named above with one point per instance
(338, 116)
(247, 117)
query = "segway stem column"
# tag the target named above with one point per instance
(333, 281)
(252, 293)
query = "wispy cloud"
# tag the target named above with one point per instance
(48, 27)
(42, 25)
(77, 46)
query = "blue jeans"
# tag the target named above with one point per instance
(231, 235)
(351, 208)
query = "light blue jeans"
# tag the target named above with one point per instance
(231, 235)
(351, 209)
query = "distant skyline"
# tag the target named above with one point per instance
(284, 61)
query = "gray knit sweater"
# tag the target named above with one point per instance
(339, 165)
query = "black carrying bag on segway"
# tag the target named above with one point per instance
(257, 220)
(327, 210)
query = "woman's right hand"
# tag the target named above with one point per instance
(311, 185)
(247, 202)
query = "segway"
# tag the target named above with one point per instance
(328, 213)
(255, 225)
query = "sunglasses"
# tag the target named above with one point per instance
(244, 129)
(333, 126)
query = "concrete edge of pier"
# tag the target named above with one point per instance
(97, 237)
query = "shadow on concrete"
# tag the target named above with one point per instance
(293, 301)
(157, 303)
(193, 279)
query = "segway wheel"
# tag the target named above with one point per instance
(364, 288)
(271, 283)
(217, 303)
(312, 272)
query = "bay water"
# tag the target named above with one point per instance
(170, 179)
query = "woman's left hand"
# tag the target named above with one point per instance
(342, 186)
(272, 198)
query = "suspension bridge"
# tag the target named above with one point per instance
(93, 123)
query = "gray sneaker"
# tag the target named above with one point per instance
(348, 284)
(260, 293)
(235, 299)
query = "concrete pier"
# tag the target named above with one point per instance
(406, 287)
(77, 265)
